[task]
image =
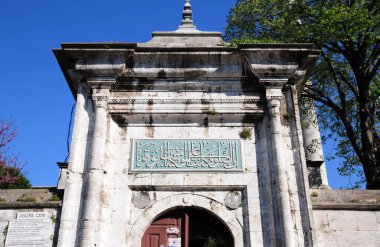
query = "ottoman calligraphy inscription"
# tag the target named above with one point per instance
(186, 155)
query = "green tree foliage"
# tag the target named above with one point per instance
(11, 169)
(346, 83)
(214, 242)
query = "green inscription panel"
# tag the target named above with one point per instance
(186, 155)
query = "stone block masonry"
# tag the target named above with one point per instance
(29, 217)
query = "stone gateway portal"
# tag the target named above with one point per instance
(186, 141)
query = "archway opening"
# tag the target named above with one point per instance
(187, 227)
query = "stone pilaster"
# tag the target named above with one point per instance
(73, 185)
(275, 66)
(273, 103)
(95, 170)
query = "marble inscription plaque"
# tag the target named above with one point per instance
(186, 155)
(32, 229)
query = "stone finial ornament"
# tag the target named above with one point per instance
(187, 18)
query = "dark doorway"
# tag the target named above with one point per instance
(187, 227)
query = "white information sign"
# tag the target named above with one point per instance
(31, 229)
(174, 242)
(32, 215)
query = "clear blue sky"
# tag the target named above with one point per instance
(33, 91)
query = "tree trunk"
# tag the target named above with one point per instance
(371, 165)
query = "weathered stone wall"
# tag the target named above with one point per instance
(13, 202)
(260, 208)
(123, 220)
(347, 227)
(346, 218)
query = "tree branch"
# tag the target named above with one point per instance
(373, 57)
(345, 121)
(331, 48)
(347, 82)
(322, 98)
(335, 72)
(375, 69)
(372, 5)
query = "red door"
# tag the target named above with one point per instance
(171, 227)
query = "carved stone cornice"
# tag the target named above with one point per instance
(280, 64)
(185, 101)
(274, 98)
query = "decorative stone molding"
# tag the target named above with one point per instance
(100, 98)
(184, 101)
(270, 98)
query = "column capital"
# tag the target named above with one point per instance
(101, 101)
(100, 89)
(273, 96)
(274, 102)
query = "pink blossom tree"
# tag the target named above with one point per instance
(12, 171)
